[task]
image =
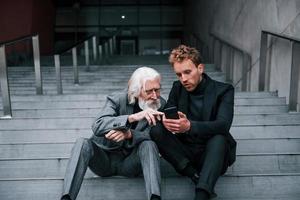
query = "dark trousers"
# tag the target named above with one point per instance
(144, 159)
(209, 156)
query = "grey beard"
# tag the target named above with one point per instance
(155, 105)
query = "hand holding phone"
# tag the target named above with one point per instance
(171, 113)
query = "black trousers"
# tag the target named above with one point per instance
(209, 156)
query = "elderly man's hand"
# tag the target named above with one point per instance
(149, 114)
(176, 126)
(117, 135)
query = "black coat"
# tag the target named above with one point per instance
(217, 114)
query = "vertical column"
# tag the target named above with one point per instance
(262, 61)
(295, 77)
(6, 103)
(106, 49)
(58, 74)
(219, 56)
(245, 72)
(212, 51)
(114, 44)
(94, 48)
(75, 65)
(37, 65)
(111, 46)
(100, 52)
(228, 63)
(87, 53)
(231, 63)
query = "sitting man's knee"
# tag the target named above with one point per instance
(85, 145)
(219, 139)
(218, 142)
(148, 146)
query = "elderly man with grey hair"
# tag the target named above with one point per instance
(121, 143)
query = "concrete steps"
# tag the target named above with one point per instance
(238, 187)
(62, 149)
(35, 145)
(55, 167)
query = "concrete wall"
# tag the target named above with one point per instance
(240, 22)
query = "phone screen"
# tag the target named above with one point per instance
(171, 113)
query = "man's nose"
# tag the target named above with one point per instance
(184, 78)
(154, 95)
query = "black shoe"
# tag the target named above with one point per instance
(155, 197)
(201, 194)
(195, 178)
(65, 197)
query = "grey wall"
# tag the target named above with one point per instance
(240, 22)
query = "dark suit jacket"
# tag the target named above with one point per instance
(114, 115)
(217, 111)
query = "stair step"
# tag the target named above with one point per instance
(62, 135)
(261, 96)
(264, 187)
(266, 109)
(56, 167)
(51, 102)
(63, 149)
(52, 112)
(85, 122)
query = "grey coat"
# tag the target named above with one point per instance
(114, 115)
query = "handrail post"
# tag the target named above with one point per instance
(262, 61)
(114, 44)
(220, 55)
(37, 65)
(106, 49)
(100, 52)
(87, 53)
(228, 64)
(295, 77)
(95, 48)
(75, 65)
(244, 72)
(58, 74)
(111, 46)
(6, 103)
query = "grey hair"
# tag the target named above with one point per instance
(137, 81)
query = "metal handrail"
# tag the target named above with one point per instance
(247, 58)
(109, 47)
(72, 48)
(16, 40)
(295, 62)
(283, 36)
(74, 45)
(6, 101)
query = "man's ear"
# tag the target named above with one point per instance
(201, 67)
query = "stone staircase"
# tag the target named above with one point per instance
(35, 145)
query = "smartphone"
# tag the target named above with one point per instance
(171, 113)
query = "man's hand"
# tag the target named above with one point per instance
(180, 125)
(149, 114)
(117, 135)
